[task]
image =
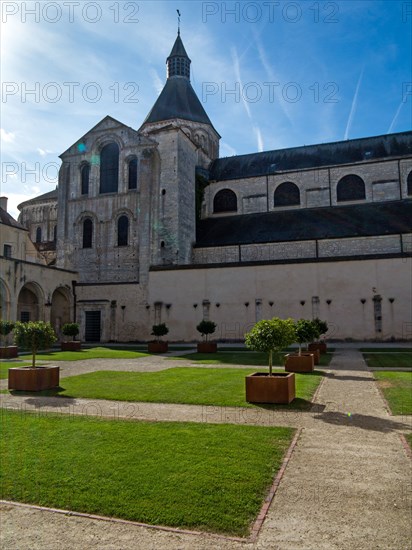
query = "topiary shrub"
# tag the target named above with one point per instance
(5, 328)
(71, 329)
(159, 331)
(269, 336)
(34, 335)
(305, 331)
(320, 327)
(205, 328)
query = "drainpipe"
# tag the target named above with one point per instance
(74, 283)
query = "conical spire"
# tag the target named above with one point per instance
(178, 62)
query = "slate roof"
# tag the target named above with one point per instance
(178, 49)
(6, 219)
(311, 156)
(361, 220)
(50, 195)
(178, 100)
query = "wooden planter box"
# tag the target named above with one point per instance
(316, 355)
(75, 345)
(299, 363)
(9, 352)
(278, 388)
(33, 379)
(206, 347)
(157, 347)
(321, 346)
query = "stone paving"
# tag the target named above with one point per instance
(347, 486)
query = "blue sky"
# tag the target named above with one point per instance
(270, 74)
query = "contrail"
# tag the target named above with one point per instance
(353, 108)
(395, 118)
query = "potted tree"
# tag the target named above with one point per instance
(321, 327)
(301, 362)
(270, 336)
(158, 346)
(205, 328)
(71, 329)
(7, 352)
(34, 335)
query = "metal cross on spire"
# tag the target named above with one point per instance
(178, 22)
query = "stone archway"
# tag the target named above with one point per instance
(5, 304)
(30, 303)
(60, 310)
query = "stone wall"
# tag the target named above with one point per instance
(384, 181)
(341, 292)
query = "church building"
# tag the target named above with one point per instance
(157, 228)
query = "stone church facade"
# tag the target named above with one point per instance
(160, 229)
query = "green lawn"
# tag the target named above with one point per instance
(5, 366)
(397, 389)
(91, 353)
(241, 358)
(195, 476)
(408, 438)
(388, 360)
(193, 386)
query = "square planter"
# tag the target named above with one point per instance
(321, 346)
(9, 352)
(33, 379)
(316, 355)
(262, 388)
(75, 345)
(157, 347)
(206, 347)
(299, 363)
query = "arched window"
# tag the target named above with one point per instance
(38, 235)
(225, 201)
(55, 233)
(287, 194)
(350, 188)
(123, 231)
(109, 168)
(409, 191)
(133, 174)
(85, 175)
(87, 233)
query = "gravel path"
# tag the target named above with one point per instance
(347, 486)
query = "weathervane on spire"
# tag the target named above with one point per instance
(178, 22)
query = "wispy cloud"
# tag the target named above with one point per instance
(354, 105)
(7, 137)
(157, 81)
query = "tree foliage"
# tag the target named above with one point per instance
(34, 335)
(159, 330)
(271, 336)
(321, 327)
(5, 328)
(205, 328)
(71, 329)
(306, 331)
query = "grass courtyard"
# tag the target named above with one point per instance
(195, 476)
(187, 385)
(395, 384)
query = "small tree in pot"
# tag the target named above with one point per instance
(320, 327)
(205, 328)
(270, 336)
(305, 332)
(7, 352)
(158, 346)
(34, 335)
(71, 329)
